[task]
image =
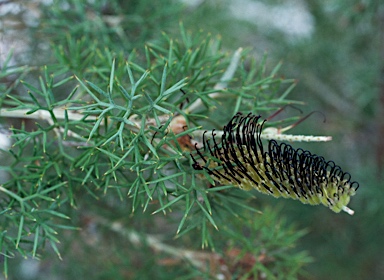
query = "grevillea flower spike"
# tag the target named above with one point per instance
(241, 160)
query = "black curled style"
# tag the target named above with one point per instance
(240, 159)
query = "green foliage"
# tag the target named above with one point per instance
(271, 240)
(122, 25)
(96, 148)
(112, 136)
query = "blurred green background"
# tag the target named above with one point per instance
(335, 50)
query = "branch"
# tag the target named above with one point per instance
(197, 258)
(42, 115)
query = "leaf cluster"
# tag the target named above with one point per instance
(102, 127)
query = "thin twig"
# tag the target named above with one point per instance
(197, 258)
(42, 114)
